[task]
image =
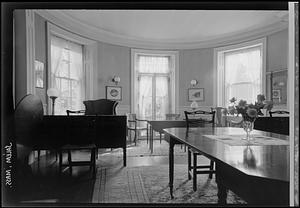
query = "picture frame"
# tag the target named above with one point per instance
(276, 94)
(39, 74)
(195, 94)
(113, 92)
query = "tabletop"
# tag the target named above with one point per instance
(269, 161)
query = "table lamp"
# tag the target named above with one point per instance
(53, 94)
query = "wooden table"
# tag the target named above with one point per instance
(258, 174)
(159, 125)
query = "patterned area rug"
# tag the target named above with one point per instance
(149, 184)
(142, 149)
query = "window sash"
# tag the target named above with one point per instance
(258, 83)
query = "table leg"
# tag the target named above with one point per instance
(151, 139)
(222, 190)
(171, 165)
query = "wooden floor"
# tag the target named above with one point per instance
(44, 185)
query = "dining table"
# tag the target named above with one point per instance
(159, 125)
(256, 170)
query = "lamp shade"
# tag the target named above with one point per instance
(52, 92)
(116, 79)
(194, 82)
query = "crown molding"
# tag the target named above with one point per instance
(61, 19)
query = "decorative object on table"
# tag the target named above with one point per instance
(116, 80)
(113, 93)
(39, 74)
(194, 105)
(53, 93)
(249, 112)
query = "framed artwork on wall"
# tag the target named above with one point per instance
(277, 87)
(196, 94)
(39, 74)
(113, 93)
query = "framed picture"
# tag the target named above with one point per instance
(39, 74)
(196, 94)
(276, 94)
(113, 93)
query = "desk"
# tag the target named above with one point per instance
(106, 131)
(159, 125)
(261, 178)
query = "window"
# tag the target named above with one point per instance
(241, 72)
(67, 74)
(153, 86)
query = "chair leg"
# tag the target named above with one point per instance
(211, 168)
(39, 154)
(194, 172)
(159, 137)
(60, 162)
(147, 134)
(70, 161)
(93, 161)
(189, 165)
(135, 137)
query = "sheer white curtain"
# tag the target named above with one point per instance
(243, 74)
(153, 86)
(67, 74)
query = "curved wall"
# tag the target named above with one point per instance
(193, 63)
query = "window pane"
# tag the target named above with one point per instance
(153, 64)
(145, 97)
(67, 74)
(162, 97)
(243, 70)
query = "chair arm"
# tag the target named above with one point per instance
(142, 120)
(131, 121)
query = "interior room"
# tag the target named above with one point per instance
(133, 106)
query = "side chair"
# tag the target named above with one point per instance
(281, 112)
(80, 137)
(199, 118)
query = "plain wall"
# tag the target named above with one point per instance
(113, 61)
(196, 64)
(40, 53)
(277, 51)
(20, 55)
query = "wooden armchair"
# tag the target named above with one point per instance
(100, 107)
(199, 118)
(136, 125)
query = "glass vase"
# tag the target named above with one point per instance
(248, 127)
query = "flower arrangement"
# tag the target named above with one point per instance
(249, 111)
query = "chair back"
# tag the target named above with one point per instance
(280, 112)
(131, 119)
(100, 107)
(28, 118)
(172, 116)
(219, 115)
(78, 113)
(81, 130)
(199, 118)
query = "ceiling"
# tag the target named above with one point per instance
(174, 26)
